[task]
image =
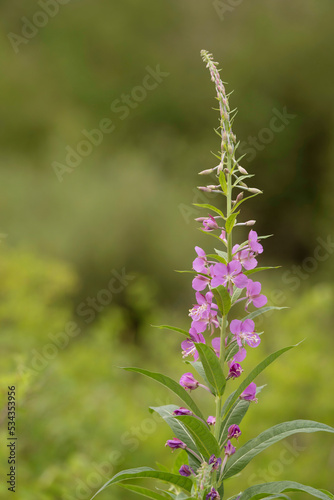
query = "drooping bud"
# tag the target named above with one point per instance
(235, 370)
(185, 470)
(255, 190)
(200, 219)
(189, 382)
(239, 197)
(213, 495)
(249, 393)
(175, 443)
(182, 411)
(242, 170)
(205, 189)
(243, 184)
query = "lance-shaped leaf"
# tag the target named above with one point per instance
(270, 489)
(205, 440)
(179, 429)
(146, 472)
(258, 269)
(244, 455)
(173, 328)
(230, 222)
(223, 299)
(212, 368)
(222, 182)
(210, 207)
(262, 310)
(222, 254)
(172, 385)
(254, 373)
(145, 492)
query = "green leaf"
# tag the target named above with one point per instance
(230, 222)
(217, 257)
(172, 385)
(269, 489)
(222, 181)
(205, 440)
(236, 294)
(173, 328)
(246, 453)
(223, 299)
(258, 269)
(144, 472)
(255, 372)
(212, 368)
(210, 207)
(178, 428)
(145, 492)
(221, 254)
(262, 310)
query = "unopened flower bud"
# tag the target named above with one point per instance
(204, 188)
(206, 172)
(250, 222)
(175, 443)
(224, 136)
(182, 411)
(185, 470)
(239, 197)
(234, 139)
(242, 170)
(213, 495)
(235, 370)
(229, 449)
(189, 382)
(243, 184)
(200, 219)
(226, 171)
(230, 149)
(211, 420)
(215, 462)
(213, 186)
(255, 190)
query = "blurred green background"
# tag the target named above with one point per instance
(124, 216)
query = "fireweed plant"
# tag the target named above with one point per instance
(215, 347)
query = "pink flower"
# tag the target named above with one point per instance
(188, 381)
(245, 257)
(235, 370)
(249, 393)
(200, 282)
(234, 432)
(175, 444)
(228, 275)
(244, 331)
(253, 294)
(202, 313)
(229, 449)
(188, 346)
(216, 345)
(200, 262)
(211, 420)
(210, 224)
(253, 243)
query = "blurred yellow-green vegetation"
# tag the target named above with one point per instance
(122, 220)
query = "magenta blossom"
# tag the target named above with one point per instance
(253, 294)
(175, 443)
(229, 449)
(215, 462)
(182, 411)
(200, 262)
(188, 381)
(235, 370)
(188, 346)
(244, 331)
(249, 393)
(245, 257)
(185, 470)
(240, 355)
(210, 224)
(223, 237)
(253, 243)
(203, 314)
(228, 275)
(213, 495)
(234, 432)
(200, 282)
(211, 420)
